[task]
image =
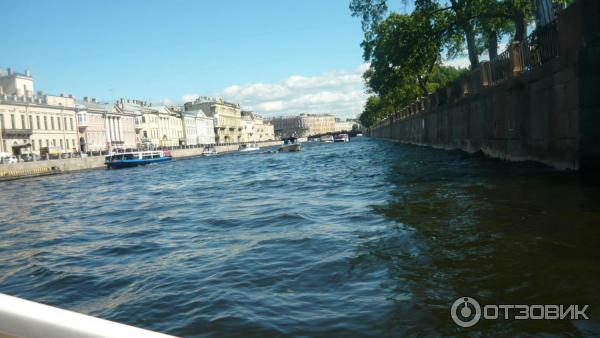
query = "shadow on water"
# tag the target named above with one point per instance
(502, 233)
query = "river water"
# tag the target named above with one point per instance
(367, 238)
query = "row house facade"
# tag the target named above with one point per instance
(159, 126)
(303, 125)
(198, 128)
(228, 123)
(31, 122)
(105, 127)
(256, 129)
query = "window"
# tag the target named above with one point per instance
(52, 122)
(37, 121)
(40, 142)
(71, 122)
(58, 122)
(47, 143)
(65, 123)
(46, 123)
(54, 143)
(1, 121)
(61, 144)
(12, 121)
(33, 144)
(30, 122)
(23, 124)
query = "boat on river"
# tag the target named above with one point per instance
(136, 158)
(244, 148)
(209, 151)
(327, 139)
(291, 144)
(341, 138)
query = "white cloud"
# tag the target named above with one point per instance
(462, 62)
(189, 97)
(340, 93)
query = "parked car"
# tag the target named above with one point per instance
(30, 157)
(9, 159)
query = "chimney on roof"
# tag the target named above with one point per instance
(62, 95)
(70, 96)
(85, 99)
(9, 71)
(94, 99)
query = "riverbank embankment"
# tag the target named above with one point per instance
(538, 101)
(49, 167)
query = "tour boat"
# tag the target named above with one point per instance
(290, 145)
(341, 138)
(244, 148)
(135, 158)
(327, 139)
(209, 151)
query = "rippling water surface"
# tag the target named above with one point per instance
(368, 238)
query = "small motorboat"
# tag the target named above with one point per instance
(209, 151)
(341, 138)
(136, 158)
(290, 145)
(327, 139)
(359, 135)
(244, 148)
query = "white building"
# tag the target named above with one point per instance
(104, 126)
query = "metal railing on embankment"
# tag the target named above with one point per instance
(540, 47)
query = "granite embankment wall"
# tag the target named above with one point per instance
(547, 111)
(24, 169)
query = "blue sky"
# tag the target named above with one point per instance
(277, 56)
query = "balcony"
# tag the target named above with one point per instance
(16, 133)
(82, 122)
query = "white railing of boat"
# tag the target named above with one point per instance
(23, 318)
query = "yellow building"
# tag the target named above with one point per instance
(159, 126)
(255, 129)
(229, 126)
(31, 123)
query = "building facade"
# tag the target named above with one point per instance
(105, 127)
(199, 128)
(303, 125)
(228, 123)
(159, 126)
(256, 129)
(34, 123)
(347, 125)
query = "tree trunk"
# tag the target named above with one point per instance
(471, 45)
(492, 45)
(467, 27)
(520, 26)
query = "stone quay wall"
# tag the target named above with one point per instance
(37, 168)
(549, 113)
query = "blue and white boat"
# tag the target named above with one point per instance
(135, 158)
